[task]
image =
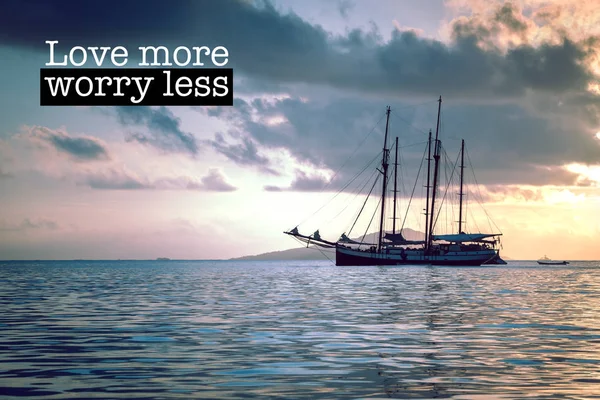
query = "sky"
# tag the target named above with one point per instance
(519, 82)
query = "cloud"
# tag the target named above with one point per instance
(45, 149)
(302, 182)
(216, 181)
(113, 179)
(506, 143)
(78, 148)
(545, 19)
(318, 133)
(265, 43)
(28, 224)
(506, 16)
(4, 174)
(244, 153)
(520, 81)
(122, 179)
(163, 128)
(344, 7)
(534, 195)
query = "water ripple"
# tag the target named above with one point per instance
(166, 330)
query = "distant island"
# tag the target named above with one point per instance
(313, 253)
(302, 253)
(163, 259)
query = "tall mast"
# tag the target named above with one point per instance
(428, 185)
(462, 170)
(395, 185)
(384, 167)
(436, 158)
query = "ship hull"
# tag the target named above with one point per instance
(353, 257)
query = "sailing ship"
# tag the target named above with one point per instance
(546, 261)
(392, 248)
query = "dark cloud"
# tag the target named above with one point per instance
(28, 224)
(244, 153)
(163, 128)
(264, 42)
(320, 134)
(281, 50)
(505, 143)
(81, 148)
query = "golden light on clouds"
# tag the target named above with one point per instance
(588, 174)
(527, 195)
(532, 23)
(594, 88)
(563, 196)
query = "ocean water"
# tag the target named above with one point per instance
(290, 330)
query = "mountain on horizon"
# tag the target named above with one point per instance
(313, 253)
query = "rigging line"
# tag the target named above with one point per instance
(370, 222)
(411, 145)
(342, 189)
(413, 191)
(480, 196)
(445, 192)
(410, 124)
(353, 153)
(355, 196)
(403, 178)
(415, 105)
(399, 199)
(449, 181)
(364, 204)
(364, 183)
(315, 248)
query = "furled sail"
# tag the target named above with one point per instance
(465, 237)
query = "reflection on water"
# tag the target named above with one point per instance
(297, 330)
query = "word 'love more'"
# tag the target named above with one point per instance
(79, 85)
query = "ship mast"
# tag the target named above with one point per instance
(428, 186)
(436, 158)
(384, 167)
(395, 186)
(462, 170)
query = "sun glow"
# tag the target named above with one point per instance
(587, 173)
(594, 88)
(564, 196)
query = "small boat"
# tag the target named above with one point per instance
(546, 261)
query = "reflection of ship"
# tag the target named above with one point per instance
(392, 248)
(546, 261)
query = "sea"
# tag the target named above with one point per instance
(297, 329)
